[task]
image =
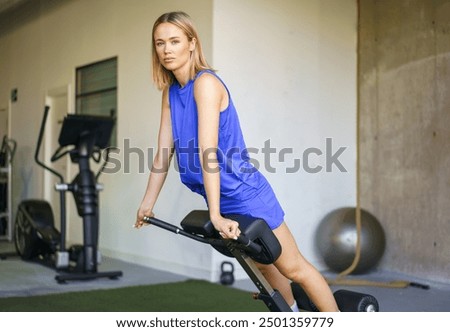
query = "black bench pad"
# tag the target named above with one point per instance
(255, 229)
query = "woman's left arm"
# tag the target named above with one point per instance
(210, 95)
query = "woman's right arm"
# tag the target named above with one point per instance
(160, 165)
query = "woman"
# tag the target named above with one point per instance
(200, 123)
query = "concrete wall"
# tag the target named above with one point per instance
(404, 103)
(290, 66)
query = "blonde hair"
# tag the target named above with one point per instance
(162, 77)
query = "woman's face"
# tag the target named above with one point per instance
(173, 47)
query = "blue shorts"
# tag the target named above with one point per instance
(257, 202)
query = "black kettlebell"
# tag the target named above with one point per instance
(227, 277)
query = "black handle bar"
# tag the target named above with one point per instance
(38, 147)
(253, 247)
(249, 245)
(105, 161)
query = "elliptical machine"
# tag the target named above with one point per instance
(35, 236)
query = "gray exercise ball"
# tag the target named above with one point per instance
(336, 240)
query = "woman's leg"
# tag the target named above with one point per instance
(277, 281)
(295, 267)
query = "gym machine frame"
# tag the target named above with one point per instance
(7, 153)
(257, 243)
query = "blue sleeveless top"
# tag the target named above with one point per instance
(243, 189)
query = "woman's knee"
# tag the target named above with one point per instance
(294, 268)
(292, 272)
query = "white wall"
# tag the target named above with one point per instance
(291, 68)
(40, 51)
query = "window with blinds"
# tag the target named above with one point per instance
(96, 90)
